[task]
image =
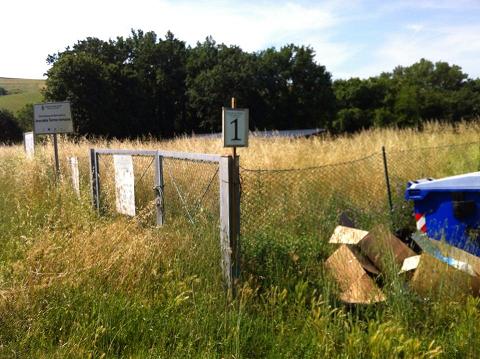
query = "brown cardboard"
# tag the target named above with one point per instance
(349, 269)
(383, 248)
(379, 246)
(347, 235)
(434, 277)
(410, 264)
(363, 291)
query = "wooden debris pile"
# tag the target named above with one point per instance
(362, 257)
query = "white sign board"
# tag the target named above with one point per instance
(124, 184)
(54, 117)
(235, 127)
(75, 174)
(29, 144)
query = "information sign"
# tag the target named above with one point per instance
(51, 118)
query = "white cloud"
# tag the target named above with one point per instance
(459, 45)
(393, 6)
(49, 26)
(415, 27)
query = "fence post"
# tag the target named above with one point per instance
(94, 179)
(229, 220)
(159, 200)
(236, 216)
(387, 179)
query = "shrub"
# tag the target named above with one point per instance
(9, 130)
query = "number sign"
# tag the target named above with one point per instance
(235, 127)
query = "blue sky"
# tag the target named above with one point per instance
(351, 38)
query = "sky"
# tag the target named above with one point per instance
(356, 38)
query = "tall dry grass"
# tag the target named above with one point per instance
(277, 153)
(73, 284)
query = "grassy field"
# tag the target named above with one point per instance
(73, 284)
(20, 93)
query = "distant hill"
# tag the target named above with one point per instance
(20, 92)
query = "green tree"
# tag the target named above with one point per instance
(215, 74)
(25, 117)
(82, 79)
(349, 120)
(294, 91)
(10, 131)
(359, 102)
(406, 97)
(443, 91)
(124, 87)
(3, 92)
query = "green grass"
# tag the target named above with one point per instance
(20, 93)
(75, 285)
(14, 85)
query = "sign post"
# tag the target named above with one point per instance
(53, 118)
(234, 134)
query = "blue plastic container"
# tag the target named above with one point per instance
(449, 209)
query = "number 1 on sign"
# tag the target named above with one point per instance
(235, 127)
(235, 138)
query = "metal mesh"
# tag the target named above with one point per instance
(434, 162)
(83, 169)
(309, 201)
(144, 171)
(304, 201)
(190, 189)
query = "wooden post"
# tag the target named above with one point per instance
(94, 179)
(234, 105)
(159, 200)
(236, 217)
(57, 163)
(229, 222)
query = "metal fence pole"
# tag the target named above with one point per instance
(94, 179)
(229, 220)
(387, 179)
(159, 200)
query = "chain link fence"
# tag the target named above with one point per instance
(429, 162)
(190, 189)
(290, 214)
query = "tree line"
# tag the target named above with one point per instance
(143, 84)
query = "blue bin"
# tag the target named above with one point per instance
(449, 209)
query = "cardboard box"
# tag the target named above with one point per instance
(350, 270)
(380, 246)
(347, 235)
(383, 249)
(433, 277)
